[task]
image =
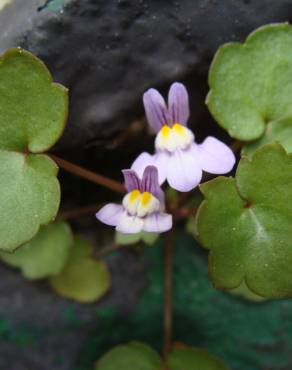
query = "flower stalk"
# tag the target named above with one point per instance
(168, 286)
(89, 175)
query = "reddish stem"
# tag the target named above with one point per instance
(89, 175)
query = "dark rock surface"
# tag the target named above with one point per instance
(40, 330)
(109, 52)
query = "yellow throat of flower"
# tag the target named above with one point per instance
(172, 138)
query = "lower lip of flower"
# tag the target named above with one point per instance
(173, 138)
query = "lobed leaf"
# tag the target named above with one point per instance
(243, 291)
(33, 109)
(190, 358)
(246, 224)
(45, 255)
(29, 196)
(82, 278)
(277, 131)
(133, 355)
(251, 83)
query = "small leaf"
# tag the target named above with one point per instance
(29, 196)
(251, 83)
(243, 291)
(83, 278)
(129, 239)
(45, 255)
(134, 355)
(277, 131)
(246, 224)
(190, 358)
(33, 109)
(149, 238)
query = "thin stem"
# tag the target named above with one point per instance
(168, 310)
(89, 175)
(77, 212)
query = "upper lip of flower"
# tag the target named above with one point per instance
(178, 157)
(177, 111)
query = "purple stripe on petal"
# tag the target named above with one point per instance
(155, 108)
(132, 181)
(110, 214)
(150, 183)
(150, 180)
(141, 162)
(183, 171)
(157, 223)
(129, 224)
(215, 157)
(178, 104)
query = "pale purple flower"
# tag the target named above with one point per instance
(179, 159)
(143, 207)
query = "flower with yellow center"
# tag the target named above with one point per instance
(140, 204)
(142, 208)
(179, 159)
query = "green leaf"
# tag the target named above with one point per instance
(83, 278)
(276, 131)
(33, 109)
(149, 238)
(45, 255)
(134, 355)
(190, 358)
(191, 226)
(29, 196)
(129, 239)
(251, 83)
(246, 224)
(243, 291)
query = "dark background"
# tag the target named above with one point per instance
(107, 53)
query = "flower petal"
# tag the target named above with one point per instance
(141, 162)
(178, 104)
(110, 214)
(155, 108)
(183, 171)
(158, 160)
(150, 183)
(215, 156)
(157, 223)
(129, 224)
(132, 181)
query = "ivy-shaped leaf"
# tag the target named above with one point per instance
(33, 112)
(45, 255)
(190, 358)
(246, 224)
(277, 131)
(33, 109)
(133, 355)
(29, 196)
(83, 278)
(251, 83)
(243, 291)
